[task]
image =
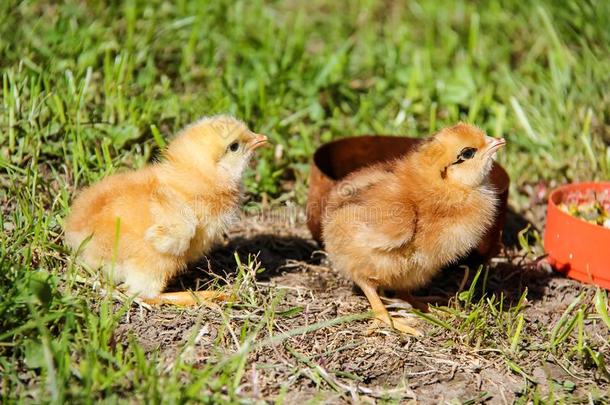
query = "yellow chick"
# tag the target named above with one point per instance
(395, 225)
(143, 227)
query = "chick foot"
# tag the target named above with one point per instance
(400, 324)
(188, 298)
(383, 316)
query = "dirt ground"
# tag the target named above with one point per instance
(354, 363)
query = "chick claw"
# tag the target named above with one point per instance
(402, 325)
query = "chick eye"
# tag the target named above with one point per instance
(467, 153)
(234, 146)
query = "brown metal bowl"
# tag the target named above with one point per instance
(335, 160)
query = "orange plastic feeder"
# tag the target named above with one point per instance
(576, 248)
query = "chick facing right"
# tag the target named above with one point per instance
(143, 227)
(395, 225)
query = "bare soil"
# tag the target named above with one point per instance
(353, 363)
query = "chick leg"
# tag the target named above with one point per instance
(382, 314)
(187, 298)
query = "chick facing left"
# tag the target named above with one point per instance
(143, 227)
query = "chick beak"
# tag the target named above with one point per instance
(259, 140)
(493, 144)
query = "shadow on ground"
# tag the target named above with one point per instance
(274, 253)
(510, 276)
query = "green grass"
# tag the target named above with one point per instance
(90, 87)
